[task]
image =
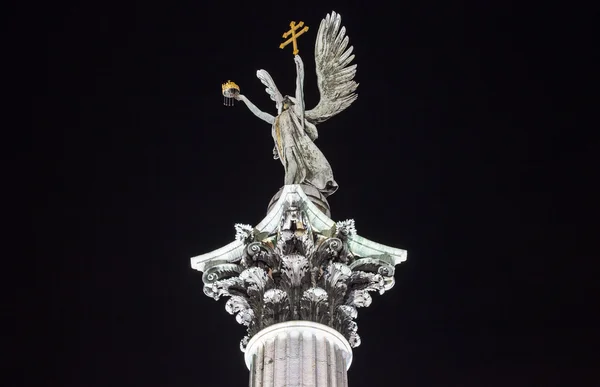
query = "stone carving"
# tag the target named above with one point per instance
(293, 129)
(298, 273)
(243, 232)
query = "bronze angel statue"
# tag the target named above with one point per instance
(293, 129)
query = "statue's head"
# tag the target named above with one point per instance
(288, 101)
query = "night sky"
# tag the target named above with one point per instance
(462, 148)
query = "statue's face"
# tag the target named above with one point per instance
(287, 103)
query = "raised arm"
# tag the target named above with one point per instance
(299, 85)
(260, 114)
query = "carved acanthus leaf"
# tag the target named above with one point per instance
(353, 337)
(347, 312)
(361, 283)
(360, 280)
(239, 305)
(359, 298)
(276, 307)
(244, 343)
(335, 281)
(314, 305)
(294, 271)
(336, 277)
(256, 280)
(224, 287)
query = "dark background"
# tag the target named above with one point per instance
(465, 148)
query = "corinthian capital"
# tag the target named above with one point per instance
(298, 264)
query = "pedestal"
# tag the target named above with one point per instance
(298, 354)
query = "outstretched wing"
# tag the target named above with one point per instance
(271, 89)
(335, 76)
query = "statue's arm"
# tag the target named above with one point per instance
(257, 112)
(299, 85)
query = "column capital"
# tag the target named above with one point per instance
(298, 264)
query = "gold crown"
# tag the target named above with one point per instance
(230, 85)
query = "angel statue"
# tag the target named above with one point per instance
(293, 129)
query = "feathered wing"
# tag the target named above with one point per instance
(335, 75)
(271, 89)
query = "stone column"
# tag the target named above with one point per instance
(298, 354)
(296, 280)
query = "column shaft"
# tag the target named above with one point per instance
(297, 356)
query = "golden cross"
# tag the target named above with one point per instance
(292, 31)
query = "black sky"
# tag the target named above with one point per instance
(463, 148)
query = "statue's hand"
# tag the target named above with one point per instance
(238, 97)
(298, 60)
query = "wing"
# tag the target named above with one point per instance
(335, 76)
(271, 89)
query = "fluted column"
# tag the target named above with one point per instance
(298, 354)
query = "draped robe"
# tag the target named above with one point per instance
(302, 160)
